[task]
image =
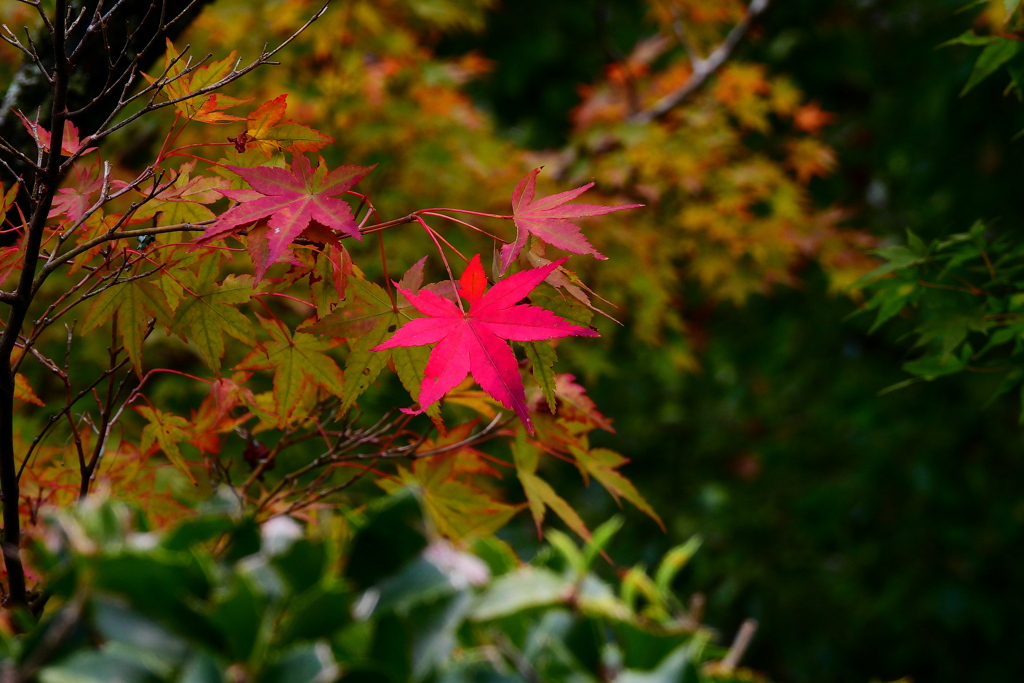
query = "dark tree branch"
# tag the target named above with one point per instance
(703, 67)
(107, 45)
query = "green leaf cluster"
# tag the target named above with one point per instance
(963, 296)
(371, 597)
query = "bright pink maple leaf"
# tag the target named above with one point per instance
(474, 341)
(548, 219)
(293, 200)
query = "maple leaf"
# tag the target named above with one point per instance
(367, 317)
(135, 302)
(328, 279)
(539, 494)
(70, 142)
(75, 200)
(548, 219)
(602, 464)
(461, 460)
(293, 201)
(23, 391)
(458, 509)
(573, 403)
(214, 415)
(167, 431)
(178, 84)
(300, 365)
(269, 131)
(208, 310)
(182, 201)
(473, 341)
(7, 198)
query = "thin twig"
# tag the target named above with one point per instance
(702, 68)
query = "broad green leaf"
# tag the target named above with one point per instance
(138, 635)
(418, 581)
(197, 530)
(900, 256)
(916, 244)
(434, 636)
(240, 614)
(392, 535)
(930, 367)
(675, 668)
(526, 588)
(88, 666)
(307, 663)
(316, 613)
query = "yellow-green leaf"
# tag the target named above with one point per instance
(167, 431)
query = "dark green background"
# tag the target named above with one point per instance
(873, 536)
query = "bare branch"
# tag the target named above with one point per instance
(236, 73)
(703, 68)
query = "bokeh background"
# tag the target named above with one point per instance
(874, 535)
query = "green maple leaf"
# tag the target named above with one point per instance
(208, 310)
(300, 366)
(602, 463)
(167, 431)
(368, 317)
(542, 359)
(136, 303)
(458, 509)
(539, 494)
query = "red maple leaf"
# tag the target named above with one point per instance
(473, 341)
(548, 219)
(295, 201)
(70, 143)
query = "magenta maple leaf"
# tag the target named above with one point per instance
(474, 341)
(70, 143)
(548, 219)
(293, 200)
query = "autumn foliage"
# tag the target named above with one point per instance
(256, 308)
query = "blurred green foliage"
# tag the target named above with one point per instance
(376, 598)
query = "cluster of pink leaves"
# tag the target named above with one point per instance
(283, 205)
